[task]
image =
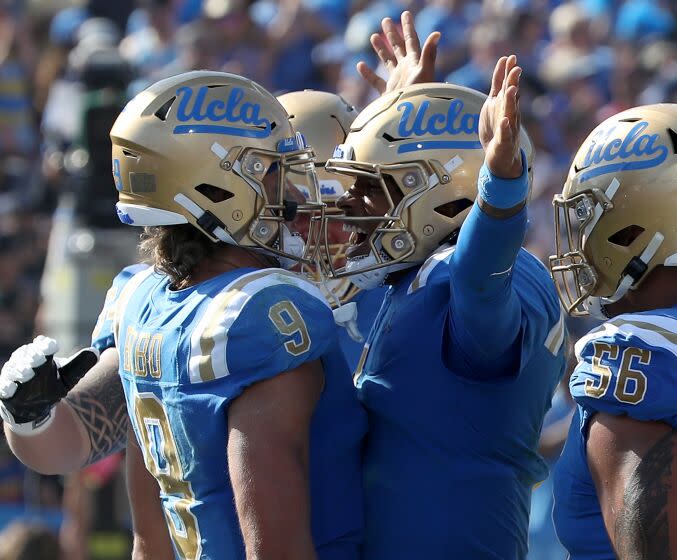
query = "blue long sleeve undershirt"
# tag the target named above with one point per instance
(486, 318)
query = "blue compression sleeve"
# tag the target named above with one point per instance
(486, 318)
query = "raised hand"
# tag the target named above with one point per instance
(33, 381)
(401, 55)
(499, 128)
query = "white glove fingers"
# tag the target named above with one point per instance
(17, 372)
(7, 388)
(33, 357)
(48, 346)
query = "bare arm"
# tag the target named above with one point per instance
(151, 537)
(90, 423)
(268, 455)
(634, 466)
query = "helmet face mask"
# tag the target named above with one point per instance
(217, 151)
(288, 185)
(420, 146)
(380, 231)
(575, 279)
(614, 220)
(324, 119)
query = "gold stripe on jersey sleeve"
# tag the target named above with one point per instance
(555, 338)
(670, 336)
(360, 363)
(415, 285)
(204, 362)
(215, 314)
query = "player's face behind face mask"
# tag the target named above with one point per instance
(366, 206)
(294, 196)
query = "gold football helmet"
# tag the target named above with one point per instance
(615, 219)
(423, 141)
(324, 119)
(217, 151)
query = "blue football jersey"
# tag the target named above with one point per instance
(186, 354)
(451, 459)
(626, 366)
(102, 335)
(368, 304)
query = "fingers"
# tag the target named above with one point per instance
(77, 366)
(411, 41)
(48, 346)
(505, 86)
(394, 37)
(511, 95)
(381, 49)
(8, 381)
(510, 63)
(498, 77)
(429, 51)
(14, 373)
(373, 79)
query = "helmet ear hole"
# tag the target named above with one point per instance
(673, 138)
(213, 193)
(162, 112)
(625, 236)
(453, 208)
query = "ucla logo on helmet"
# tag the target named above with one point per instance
(331, 188)
(617, 154)
(124, 217)
(117, 176)
(343, 151)
(417, 122)
(193, 107)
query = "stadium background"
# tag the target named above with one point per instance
(66, 70)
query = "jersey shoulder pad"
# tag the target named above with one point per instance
(260, 325)
(102, 335)
(628, 365)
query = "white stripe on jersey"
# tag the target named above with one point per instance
(553, 342)
(428, 266)
(656, 330)
(212, 329)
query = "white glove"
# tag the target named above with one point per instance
(33, 381)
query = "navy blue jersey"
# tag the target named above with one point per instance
(368, 303)
(626, 366)
(457, 375)
(187, 354)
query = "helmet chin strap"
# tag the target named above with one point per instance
(636, 268)
(371, 279)
(593, 305)
(293, 245)
(203, 219)
(345, 314)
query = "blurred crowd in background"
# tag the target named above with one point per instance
(67, 69)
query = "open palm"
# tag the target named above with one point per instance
(401, 55)
(499, 128)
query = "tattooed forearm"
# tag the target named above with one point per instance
(642, 529)
(98, 401)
